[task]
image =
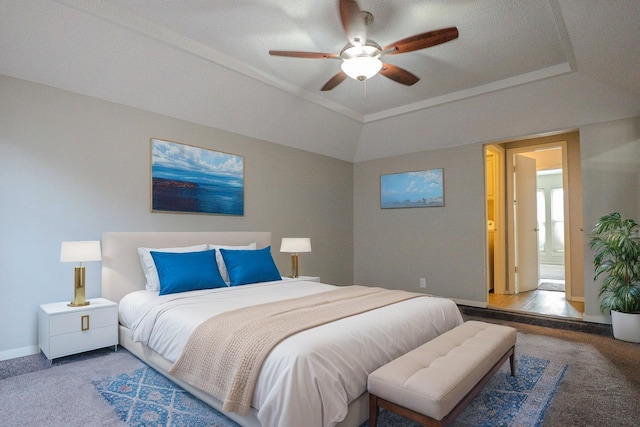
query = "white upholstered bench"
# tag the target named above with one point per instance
(432, 384)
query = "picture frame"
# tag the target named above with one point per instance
(417, 189)
(189, 179)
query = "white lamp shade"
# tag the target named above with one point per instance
(295, 245)
(80, 251)
(361, 67)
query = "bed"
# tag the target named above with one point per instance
(316, 377)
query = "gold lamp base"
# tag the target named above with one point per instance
(78, 293)
(294, 265)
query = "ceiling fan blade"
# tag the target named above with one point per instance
(398, 74)
(296, 54)
(353, 22)
(422, 41)
(334, 81)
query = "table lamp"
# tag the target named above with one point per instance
(80, 251)
(294, 246)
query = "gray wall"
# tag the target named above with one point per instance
(610, 153)
(72, 167)
(394, 248)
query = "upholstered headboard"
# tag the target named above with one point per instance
(121, 270)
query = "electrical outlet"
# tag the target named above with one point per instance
(423, 282)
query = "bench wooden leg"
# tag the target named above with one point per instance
(512, 362)
(414, 416)
(373, 410)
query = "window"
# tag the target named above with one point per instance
(542, 220)
(557, 220)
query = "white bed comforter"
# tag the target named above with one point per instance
(310, 378)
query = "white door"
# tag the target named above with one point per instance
(526, 224)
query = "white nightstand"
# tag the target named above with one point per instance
(64, 330)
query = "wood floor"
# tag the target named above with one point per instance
(548, 303)
(544, 302)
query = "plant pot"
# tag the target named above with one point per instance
(626, 326)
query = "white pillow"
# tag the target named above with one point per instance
(223, 268)
(149, 267)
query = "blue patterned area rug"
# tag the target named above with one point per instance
(146, 398)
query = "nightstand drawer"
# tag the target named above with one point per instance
(64, 345)
(85, 320)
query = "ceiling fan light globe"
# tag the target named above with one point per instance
(361, 67)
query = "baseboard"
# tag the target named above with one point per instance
(605, 320)
(19, 352)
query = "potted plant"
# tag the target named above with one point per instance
(616, 247)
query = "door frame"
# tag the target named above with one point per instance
(499, 234)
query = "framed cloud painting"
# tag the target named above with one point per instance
(421, 189)
(190, 179)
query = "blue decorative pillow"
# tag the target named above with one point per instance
(247, 266)
(187, 271)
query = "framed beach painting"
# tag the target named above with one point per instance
(421, 189)
(190, 179)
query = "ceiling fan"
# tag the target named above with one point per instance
(361, 57)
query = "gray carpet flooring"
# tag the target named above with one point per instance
(600, 388)
(63, 394)
(602, 384)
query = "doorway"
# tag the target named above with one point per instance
(550, 216)
(542, 220)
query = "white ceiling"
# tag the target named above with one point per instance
(519, 67)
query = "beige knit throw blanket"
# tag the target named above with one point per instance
(224, 354)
